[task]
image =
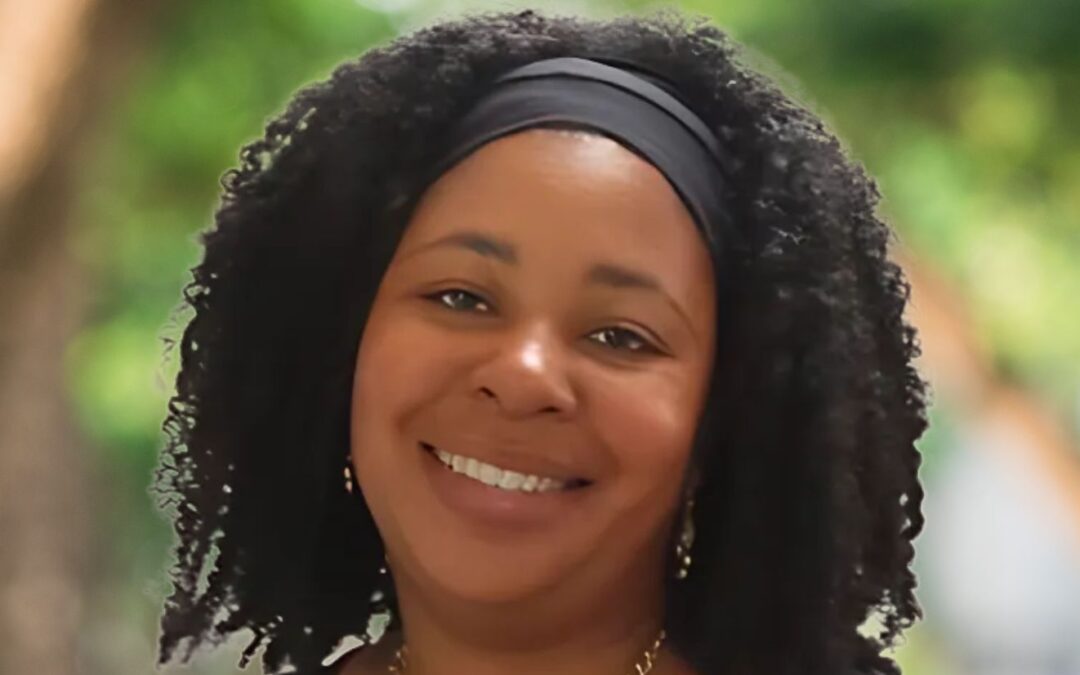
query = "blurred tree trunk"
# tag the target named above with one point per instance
(58, 62)
(957, 361)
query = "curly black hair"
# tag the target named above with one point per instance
(810, 497)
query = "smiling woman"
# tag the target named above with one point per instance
(601, 333)
(537, 378)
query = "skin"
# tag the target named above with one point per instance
(535, 361)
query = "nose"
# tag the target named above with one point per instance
(526, 374)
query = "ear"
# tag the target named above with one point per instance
(691, 480)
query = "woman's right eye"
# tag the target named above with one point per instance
(459, 300)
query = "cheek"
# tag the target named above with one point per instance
(398, 365)
(393, 378)
(401, 367)
(384, 391)
(648, 427)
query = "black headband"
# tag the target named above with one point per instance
(638, 110)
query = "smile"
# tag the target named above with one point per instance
(498, 477)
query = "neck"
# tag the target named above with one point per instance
(587, 627)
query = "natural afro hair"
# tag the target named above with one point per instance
(809, 497)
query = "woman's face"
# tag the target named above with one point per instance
(546, 325)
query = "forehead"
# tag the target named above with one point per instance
(570, 196)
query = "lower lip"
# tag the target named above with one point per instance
(495, 507)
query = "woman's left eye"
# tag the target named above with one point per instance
(625, 339)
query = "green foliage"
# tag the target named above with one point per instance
(208, 86)
(964, 110)
(217, 72)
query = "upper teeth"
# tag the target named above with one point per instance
(496, 477)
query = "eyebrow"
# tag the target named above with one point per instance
(476, 242)
(604, 274)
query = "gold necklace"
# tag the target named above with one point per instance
(644, 665)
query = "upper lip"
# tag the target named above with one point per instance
(515, 461)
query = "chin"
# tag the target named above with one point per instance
(477, 571)
(489, 587)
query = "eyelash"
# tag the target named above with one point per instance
(647, 346)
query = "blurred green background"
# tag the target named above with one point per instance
(965, 110)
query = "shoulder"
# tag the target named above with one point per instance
(370, 660)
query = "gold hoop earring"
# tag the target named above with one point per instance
(686, 541)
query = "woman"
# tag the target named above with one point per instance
(568, 346)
